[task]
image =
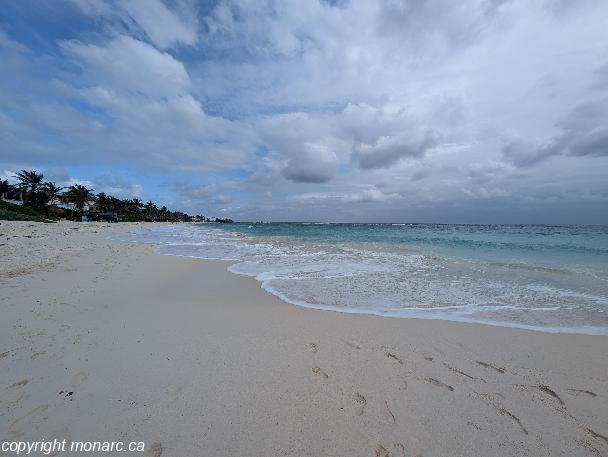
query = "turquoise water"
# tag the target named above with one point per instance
(551, 278)
(585, 245)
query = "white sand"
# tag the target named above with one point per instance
(183, 353)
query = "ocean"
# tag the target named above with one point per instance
(540, 277)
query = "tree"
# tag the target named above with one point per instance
(40, 195)
(78, 195)
(151, 211)
(5, 188)
(30, 182)
(52, 191)
(104, 203)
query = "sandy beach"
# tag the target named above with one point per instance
(104, 341)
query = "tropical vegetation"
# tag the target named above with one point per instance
(45, 201)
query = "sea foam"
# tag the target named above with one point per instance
(518, 276)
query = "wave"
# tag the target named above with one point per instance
(399, 280)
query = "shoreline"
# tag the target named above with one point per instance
(421, 286)
(419, 313)
(183, 352)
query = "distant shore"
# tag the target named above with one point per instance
(105, 341)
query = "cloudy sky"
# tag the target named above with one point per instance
(410, 111)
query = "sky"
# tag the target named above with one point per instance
(466, 111)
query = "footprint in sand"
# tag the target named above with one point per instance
(437, 383)
(78, 379)
(513, 417)
(155, 450)
(460, 372)
(578, 392)
(17, 423)
(545, 389)
(352, 345)
(551, 393)
(400, 449)
(320, 372)
(490, 366)
(7, 353)
(13, 393)
(13, 435)
(391, 416)
(597, 435)
(492, 399)
(381, 451)
(360, 403)
(390, 355)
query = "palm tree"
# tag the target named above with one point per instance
(5, 188)
(103, 202)
(78, 195)
(29, 182)
(52, 191)
(151, 211)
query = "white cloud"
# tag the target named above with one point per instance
(388, 150)
(363, 196)
(129, 65)
(312, 163)
(164, 27)
(117, 186)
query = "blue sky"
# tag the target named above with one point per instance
(476, 111)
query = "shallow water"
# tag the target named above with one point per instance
(551, 278)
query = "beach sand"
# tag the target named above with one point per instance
(107, 341)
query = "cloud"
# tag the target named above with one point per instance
(56, 174)
(487, 172)
(313, 163)
(593, 143)
(131, 66)
(368, 195)
(164, 27)
(388, 150)
(7, 43)
(601, 78)
(223, 199)
(131, 103)
(583, 132)
(194, 191)
(524, 154)
(117, 186)
(584, 129)
(98, 8)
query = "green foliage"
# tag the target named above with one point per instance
(40, 197)
(5, 187)
(52, 191)
(31, 182)
(78, 195)
(11, 212)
